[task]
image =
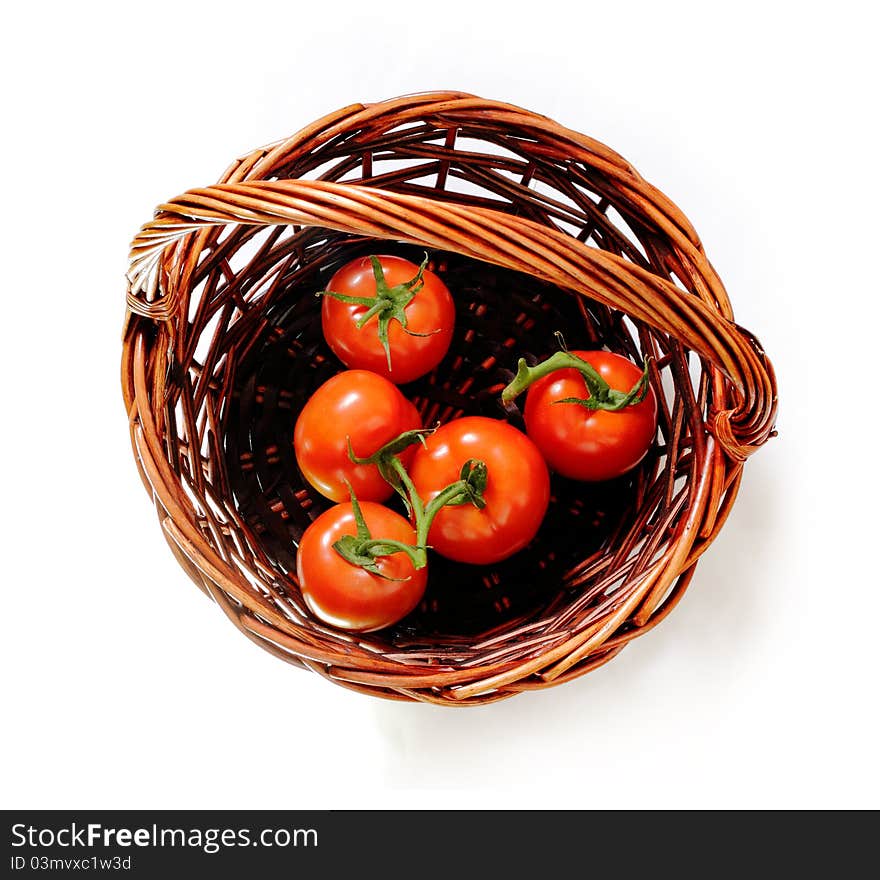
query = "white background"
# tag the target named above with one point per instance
(124, 687)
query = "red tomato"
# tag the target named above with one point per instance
(587, 444)
(517, 491)
(349, 597)
(431, 311)
(358, 405)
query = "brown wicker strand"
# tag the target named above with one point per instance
(545, 253)
(535, 228)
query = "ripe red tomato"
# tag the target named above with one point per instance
(430, 312)
(353, 404)
(587, 444)
(517, 491)
(350, 597)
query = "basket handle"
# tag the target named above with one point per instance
(483, 234)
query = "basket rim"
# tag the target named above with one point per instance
(163, 259)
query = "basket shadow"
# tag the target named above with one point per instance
(687, 666)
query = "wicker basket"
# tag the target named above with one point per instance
(535, 228)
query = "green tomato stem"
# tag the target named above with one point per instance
(377, 547)
(389, 304)
(362, 549)
(468, 489)
(384, 456)
(602, 395)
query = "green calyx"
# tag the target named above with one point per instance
(362, 549)
(602, 395)
(385, 456)
(467, 489)
(389, 304)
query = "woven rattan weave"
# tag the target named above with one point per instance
(534, 228)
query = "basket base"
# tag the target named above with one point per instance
(501, 315)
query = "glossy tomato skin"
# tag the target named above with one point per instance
(432, 309)
(368, 409)
(584, 444)
(517, 490)
(346, 596)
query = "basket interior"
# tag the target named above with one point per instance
(252, 352)
(501, 316)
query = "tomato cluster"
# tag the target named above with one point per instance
(475, 489)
